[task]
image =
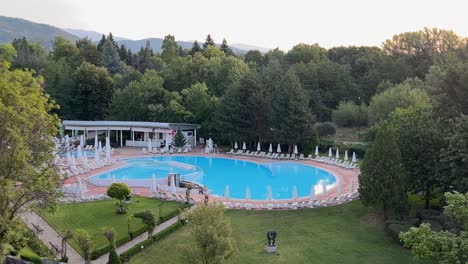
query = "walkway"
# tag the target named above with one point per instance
(49, 236)
(104, 258)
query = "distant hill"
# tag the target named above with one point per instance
(156, 43)
(250, 47)
(11, 28)
(93, 35)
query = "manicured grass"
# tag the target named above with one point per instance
(349, 233)
(92, 216)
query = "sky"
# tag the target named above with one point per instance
(271, 24)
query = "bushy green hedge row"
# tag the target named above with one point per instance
(30, 256)
(103, 250)
(163, 219)
(125, 256)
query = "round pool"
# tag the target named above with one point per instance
(219, 174)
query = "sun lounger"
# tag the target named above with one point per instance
(287, 156)
(281, 156)
(301, 156)
(246, 153)
(144, 151)
(293, 156)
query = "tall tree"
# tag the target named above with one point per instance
(292, 121)
(449, 81)
(195, 48)
(110, 57)
(412, 92)
(225, 48)
(254, 56)
(382, 182)
(93, 92)
(88, 51)
(306, 53)
(420, 138)
(454, 157)
(132, 102)
(208, 42)
(170, 48)
(63, 48)
(212, 234)
(27, 173)
(29, 55)
(422, 48)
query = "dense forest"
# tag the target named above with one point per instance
(284, 97)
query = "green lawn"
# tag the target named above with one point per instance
(92, 216)
(344, 234)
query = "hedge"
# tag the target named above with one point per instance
(163, 219)
(396, 229)
(27, 254)
(103, 250)
(125, 256)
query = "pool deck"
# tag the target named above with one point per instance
(345, 176)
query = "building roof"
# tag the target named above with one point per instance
(124, 125)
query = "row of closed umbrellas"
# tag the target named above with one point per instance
(278, 149)
(270, 149)
(322, 185)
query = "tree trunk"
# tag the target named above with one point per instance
(427, 198)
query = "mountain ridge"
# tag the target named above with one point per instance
(11, 28)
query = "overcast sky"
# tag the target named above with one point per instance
(273, 23)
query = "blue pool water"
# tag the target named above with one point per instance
(217, 173)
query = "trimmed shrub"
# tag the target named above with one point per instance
(427, 214)
(325, 129)
(414, 221)
(394, 221)
(29, 255)
(395, 229)
(114, 257)
(435, 226)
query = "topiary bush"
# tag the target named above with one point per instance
(427, 214)
(325, 129)
(29, 255)
(395, 229)
(114, 258)
(435, 226)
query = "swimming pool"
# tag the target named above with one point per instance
(217, 173)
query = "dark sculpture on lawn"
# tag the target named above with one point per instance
(271, 237)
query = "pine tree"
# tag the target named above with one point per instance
(382, 182)
(195, 48)
(101, 42)
(179, 140)
(208, 42)
(123, 52)
(225, 48)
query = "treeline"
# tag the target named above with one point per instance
(277, 96)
